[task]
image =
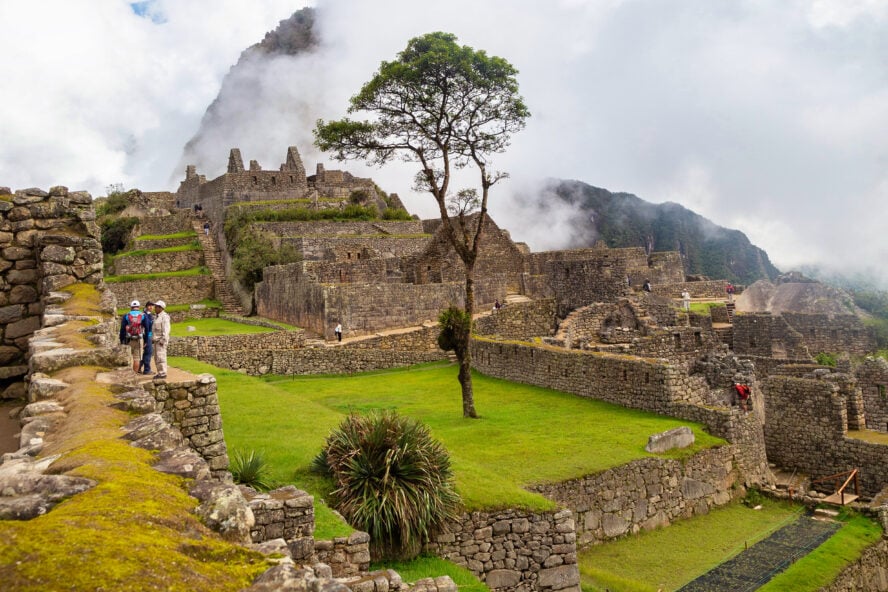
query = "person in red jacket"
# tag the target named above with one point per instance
(742, 395)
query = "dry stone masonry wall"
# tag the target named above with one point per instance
(172, 290)
(514, 550)
(48, 240)
(126, 264)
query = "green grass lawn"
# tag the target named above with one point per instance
(192, 246)
(212, 327)
(525, 435)
(670, 557)
(183, 234)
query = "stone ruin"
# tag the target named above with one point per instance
(572, 323)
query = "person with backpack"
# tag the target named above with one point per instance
(132, 330)
(147, 349)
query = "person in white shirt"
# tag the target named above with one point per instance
(161, 337)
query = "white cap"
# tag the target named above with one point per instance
(161, 304)
(134, 304)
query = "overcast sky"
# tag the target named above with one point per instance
(769, 117)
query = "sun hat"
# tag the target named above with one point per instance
(161, 304)
(134, 304)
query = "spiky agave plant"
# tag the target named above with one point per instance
(391, 479)
(249, 467)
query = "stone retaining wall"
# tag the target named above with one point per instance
(193, 408)
(870, 572)
(172, 290)
(711, 289)
(872, 375)
(206, 347)
(645, 494)
(521, 320)
(157, 262)
(514, 550)
(162, 243)
(806, 429)
(48, 240)
(347, 247)
(177, 221)
(329, 228)
(346, 556)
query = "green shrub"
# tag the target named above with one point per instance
(455, 325)
(254, 252)
(753, 498)
(250, 468)
(116, 233)
(826, 359)
(396, 214)
(116, 201)
(391, 479)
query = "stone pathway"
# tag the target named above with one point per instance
(752, 568)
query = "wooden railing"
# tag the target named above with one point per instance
(840, 496)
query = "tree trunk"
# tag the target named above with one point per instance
(465, 361)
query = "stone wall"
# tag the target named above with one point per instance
(162, 243)
(832, 333)
(806, 429)
(520, 320)
(645, 494)
(577, 283)
(286, 513)
(346, 556)
(284, 354)
(211, 347)
(347, 248)
(327, 228)
(872, 377)
(870, 572)
(157, 262)
(514, 550)
(48, 240)
(287, 294)
(172, 290)
(710, 289)
(173, 223)
(193, 408)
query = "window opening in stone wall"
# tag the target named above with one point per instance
(274, 181)
(752, 342)
(292, 179)
(676, 338)
(647, 378)
(255, 180)
(698, 339)
(624, 375)
(341, 276)
(348, 255)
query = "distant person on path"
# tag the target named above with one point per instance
(147, 347)
(131, 332)
(338, 331)
(629, 281)
(647, 286)
(496, 305)
(686, 301)
(729, 289)
(161, 337)
(207, 228)
(742, 395)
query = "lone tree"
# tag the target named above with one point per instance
(444, 107)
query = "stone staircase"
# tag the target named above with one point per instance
(213, 259)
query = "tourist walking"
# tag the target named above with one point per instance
(161, 337)
(686, 300)
(729, 289)
(338, 331)
(742, 395)
(131, 332)
(206, 228)
(647, 286)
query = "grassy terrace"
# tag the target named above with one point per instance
(183, 234)
(193, 246)
(111, 279)
(214, 327)
(526, 434)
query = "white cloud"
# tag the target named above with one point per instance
(766, 116)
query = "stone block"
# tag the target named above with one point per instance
(503, 578)
(680, 437)
(558, 578)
